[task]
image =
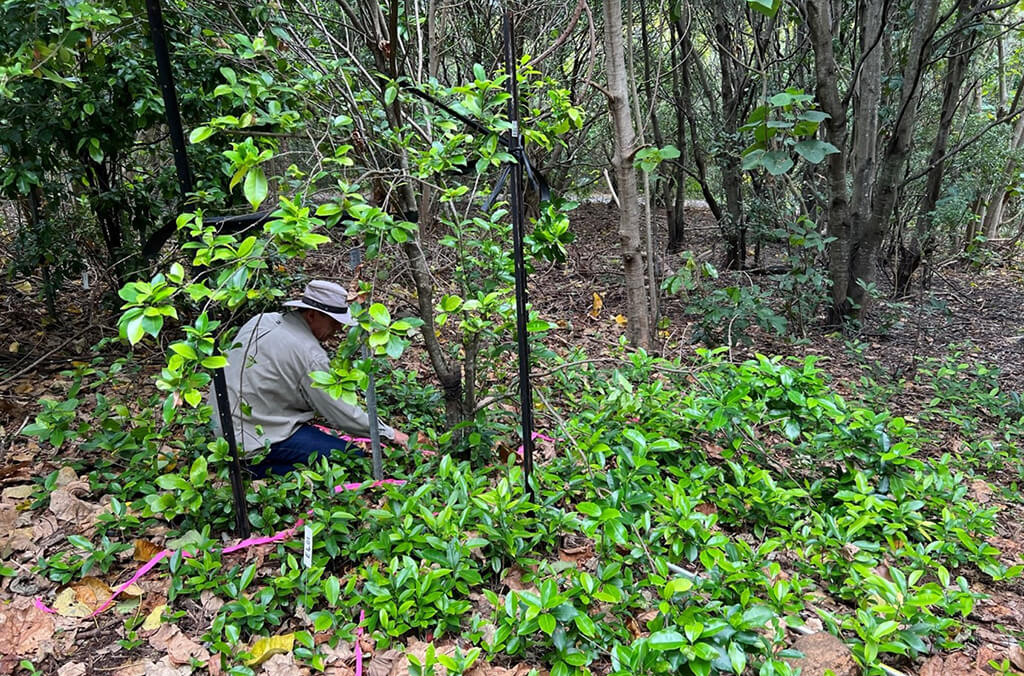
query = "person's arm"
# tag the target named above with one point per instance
(340, 414)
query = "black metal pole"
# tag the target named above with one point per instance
(173, 115)
(516, 149)
(376, 454)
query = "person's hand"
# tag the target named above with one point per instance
(402, 439)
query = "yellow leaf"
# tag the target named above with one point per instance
(620, 320)
(14, 347)
(25, 287)
(154, 618)
(598, 304)
(67, 606)
(265, 648)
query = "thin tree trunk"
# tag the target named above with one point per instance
(837, 214)
(650, 254)
(690, 61)
(921, 245)
(993, 215)
(865, 252)
(735, 230)
(638, 326)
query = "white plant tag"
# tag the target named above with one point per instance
(307, 546)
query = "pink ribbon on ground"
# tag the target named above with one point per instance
(535, 435)
(359, 648)
(149, 565)
(356, 485)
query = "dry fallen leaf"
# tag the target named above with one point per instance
(211, 602)
(265, 648)
(598, 304)
(986, 654)
(67, 604)
(933, 666)
(67, 507)
(16, 540)
(180, 648)
(23, 630)
(92, 592)
(419, 650)
(66, 476)
(71, 669)
(1017, 656)
(145, 551)
(513, 579)
(166, 667)
(380, 665)
(981, 492)
(621, 320)
(342, 654)
(282, 665)
(15, 493)
(137, 668)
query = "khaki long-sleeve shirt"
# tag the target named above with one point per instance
(268, 370)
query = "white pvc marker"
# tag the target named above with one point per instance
(307, 546)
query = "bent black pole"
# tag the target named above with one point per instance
(516, 203)
(173, 115)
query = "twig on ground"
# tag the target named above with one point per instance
(38, 361)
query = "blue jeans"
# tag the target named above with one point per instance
(305, 446)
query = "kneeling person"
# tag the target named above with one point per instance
(270, 390)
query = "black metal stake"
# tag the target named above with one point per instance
(376, 454)
(177, 134)
(516, 202)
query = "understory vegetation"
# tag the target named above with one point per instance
(686, 514)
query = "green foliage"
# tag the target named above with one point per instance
(724, 314)
(804, 286)
(783, 129)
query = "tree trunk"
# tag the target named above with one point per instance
(865, 250)
(993, 214)
(837, 212)
(675, 188)
(638, 326)
(729, 158)
(689, 61)
(921, 244)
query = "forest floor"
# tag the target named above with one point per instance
(966, 317)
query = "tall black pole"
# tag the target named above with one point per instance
(516, 149)
(173, 115)
(371, 397)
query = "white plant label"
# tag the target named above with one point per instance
(307, 547)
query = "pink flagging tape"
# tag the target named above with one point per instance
(264, 540)
(535, 435)
(149, 565)
(357, 485)
(343, 437)
(244, 544)
(42, 606)
(359, 648)
(142, 571)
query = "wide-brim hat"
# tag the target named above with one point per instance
(326, 297)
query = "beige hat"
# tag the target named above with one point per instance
(326, 297)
